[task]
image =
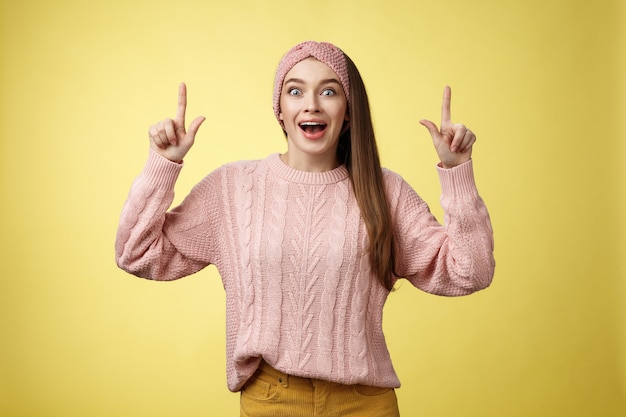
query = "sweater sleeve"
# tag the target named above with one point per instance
(452, 259)
(154, 243)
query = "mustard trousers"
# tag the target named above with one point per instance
(271, 393)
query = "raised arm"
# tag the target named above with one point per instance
(455, 258)
(152, 242)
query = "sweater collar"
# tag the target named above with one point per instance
(284, 171)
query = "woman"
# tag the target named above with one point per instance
(309, 243)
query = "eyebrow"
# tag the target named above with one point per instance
(300, 81)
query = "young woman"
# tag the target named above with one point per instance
(309, 243)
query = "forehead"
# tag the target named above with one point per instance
(310, 69)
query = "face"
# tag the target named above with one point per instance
(314, 112)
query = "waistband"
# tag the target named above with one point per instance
(270, 374)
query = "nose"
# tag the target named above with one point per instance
(312, 104)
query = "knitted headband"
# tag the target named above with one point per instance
(324, 52)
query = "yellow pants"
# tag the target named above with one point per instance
(271, 393)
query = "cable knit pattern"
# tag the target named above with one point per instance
(358, 343)
(303, 276)
(290, 248)
(332, 277)
(243, 202)
(273, 255)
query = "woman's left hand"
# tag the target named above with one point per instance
(453, 142)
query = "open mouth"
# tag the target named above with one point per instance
(312, 127)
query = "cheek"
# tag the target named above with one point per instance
(286, 109)
(341, 114)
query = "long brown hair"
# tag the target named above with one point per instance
(358, 150)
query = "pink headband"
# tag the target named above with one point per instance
(324, 52)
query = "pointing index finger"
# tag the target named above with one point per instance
(445, 105)
(182, 103)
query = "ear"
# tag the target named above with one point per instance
(280, 115)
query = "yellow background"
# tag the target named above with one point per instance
(540, 81)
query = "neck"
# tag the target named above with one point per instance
(310, 163)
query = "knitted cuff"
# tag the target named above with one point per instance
(458, 181)
(160, 171)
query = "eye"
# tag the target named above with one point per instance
(328, 92)
(293, 91)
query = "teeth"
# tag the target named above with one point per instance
(311, 124)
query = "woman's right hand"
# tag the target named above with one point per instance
(169, 138)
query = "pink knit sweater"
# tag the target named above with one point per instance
(289, 246)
